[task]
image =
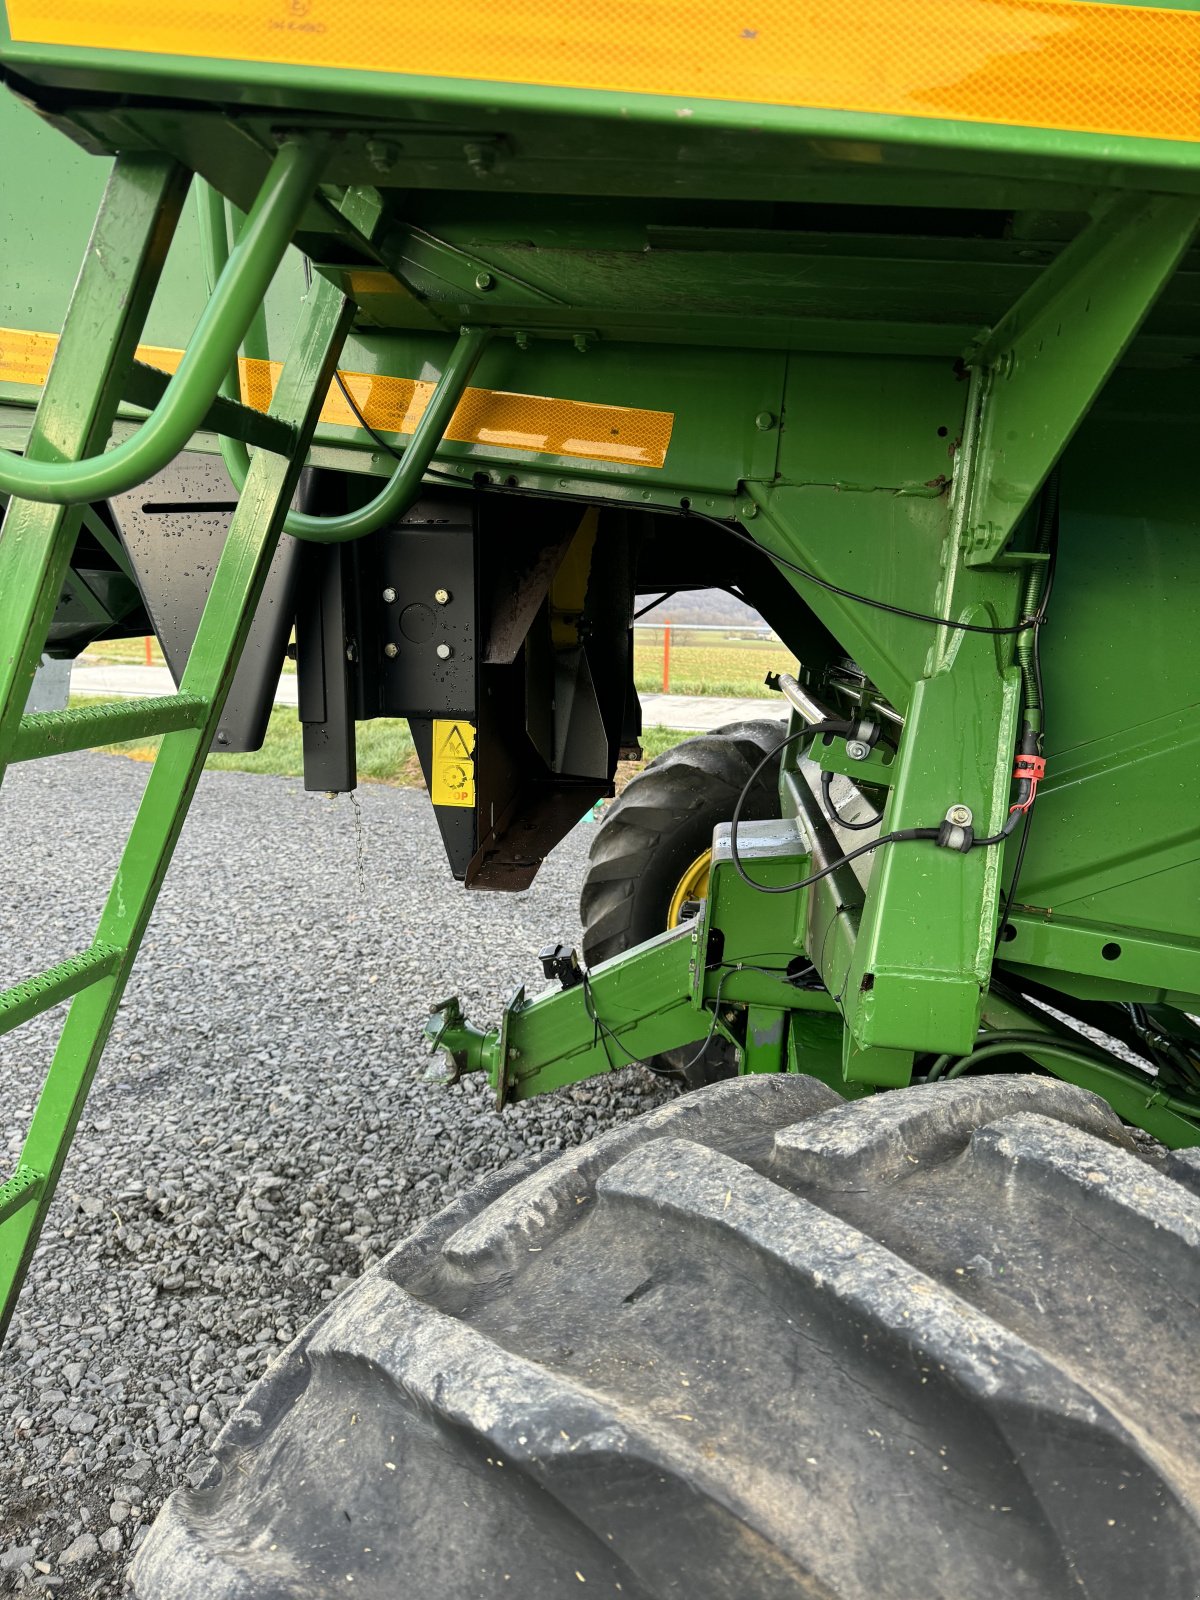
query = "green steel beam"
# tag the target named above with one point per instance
(1124, 963)
(228, 614)
(1044, 363)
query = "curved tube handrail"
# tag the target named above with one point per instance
(223, 324)
(397, 494)
(394, 498)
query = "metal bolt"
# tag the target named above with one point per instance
(522, 340)
(857, 750)
(222, 738)
(961, 816)
(580, 342)
(484, 281)
(444, 652)
(390, 651)
(513, 1053)
(351, 652)
(389, 596)
(480, 158)
(764, 422)
(442, 596)
(380, 154)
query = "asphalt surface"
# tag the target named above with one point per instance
(258, 1131)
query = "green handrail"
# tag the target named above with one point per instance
(236, 297)
(394, 499)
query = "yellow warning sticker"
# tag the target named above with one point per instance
(452, 770)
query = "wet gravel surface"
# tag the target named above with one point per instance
(257, 1133)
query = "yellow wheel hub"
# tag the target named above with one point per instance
(692, 886)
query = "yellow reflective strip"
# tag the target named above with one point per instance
(1078, 64)
(539, 424)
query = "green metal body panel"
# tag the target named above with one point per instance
(890, 351)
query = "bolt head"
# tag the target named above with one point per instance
(390, 651)
(389, 596)
(442, 596)
(857, 750)
(764, 422)
(959, 815)
(444, 652)
(484, 281)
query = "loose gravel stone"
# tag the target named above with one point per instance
(80, 1549)
(258, 1132)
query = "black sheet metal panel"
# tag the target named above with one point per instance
(323, 673)
(174, 528)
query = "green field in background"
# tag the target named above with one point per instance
(699, 666)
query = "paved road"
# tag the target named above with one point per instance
(698, 712)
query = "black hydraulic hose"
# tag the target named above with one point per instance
(1037, 593)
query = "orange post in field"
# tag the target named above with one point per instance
(666, 658)
(149, 653)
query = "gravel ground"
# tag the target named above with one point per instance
(257, 1133)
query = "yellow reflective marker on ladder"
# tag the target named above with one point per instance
(452, 768)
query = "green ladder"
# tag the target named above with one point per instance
(93, 370)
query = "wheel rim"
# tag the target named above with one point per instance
(692, 886)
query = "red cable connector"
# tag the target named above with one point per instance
(1027, 769)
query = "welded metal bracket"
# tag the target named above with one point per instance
(1037, 372)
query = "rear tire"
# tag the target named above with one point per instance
(649, 838)
(760, 1343)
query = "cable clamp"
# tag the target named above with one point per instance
(957, 831)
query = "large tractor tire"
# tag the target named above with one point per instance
(759, 1345)
(650, 856)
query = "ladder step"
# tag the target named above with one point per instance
(54, 733)
(21, 1189)
(38, 994)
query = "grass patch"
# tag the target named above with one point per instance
(385, 749)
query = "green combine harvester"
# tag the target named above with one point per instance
(449, 342)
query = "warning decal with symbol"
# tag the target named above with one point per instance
(452, 770)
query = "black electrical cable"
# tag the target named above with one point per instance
(605, 1032)
(389, 449)
(653, 603)
(712, 1027)
(1027, 813)
(849, 594)
(835, 815)
(898, 836)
